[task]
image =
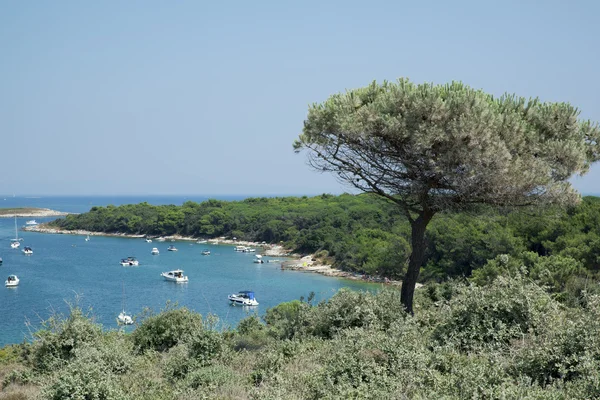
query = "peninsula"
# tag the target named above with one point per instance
(30, 212)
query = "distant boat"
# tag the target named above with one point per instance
(27, 251)
(124, 318)
(148, 240)
(240, 248)
(129, 262)
(12, 281)
(154, 251)
(202, 241)
(258, 259)
(32, 222)
(206, 252)
(245, 298)
(175, 276)
(15, 244)
(87, 238)
(172, 248)
(0, 260)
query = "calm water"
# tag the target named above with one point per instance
(66, 267)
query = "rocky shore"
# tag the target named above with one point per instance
(30, 212)
(308, 264)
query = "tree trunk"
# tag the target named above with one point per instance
(417, 257)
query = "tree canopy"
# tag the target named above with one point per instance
(429, 148)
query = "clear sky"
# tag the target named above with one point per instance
(191, 97)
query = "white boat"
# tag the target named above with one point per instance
(12, 281)
(87, 238)
(202, 241)
(148, 240)
(175, 276)
(154, 251)
(129, 262)
(258, 259)
(172, 248)
(206, 252)
(161, 239)
(245, 298)
(32, 222)
(249, 250)
(240, 248)
(0, 260)
(27, 251)
(124, 318)
(15, 243)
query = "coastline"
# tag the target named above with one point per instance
(32, 212)
(301, 264)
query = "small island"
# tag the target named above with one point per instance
(30, 212)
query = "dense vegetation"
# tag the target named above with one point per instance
(363, 233)
(505, 338)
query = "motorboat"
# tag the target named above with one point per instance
(129, 262)
(245, 298)
(87, 238)
(258, 259)
(249, 250)
(206, 252)
(172, 248)
(27, 251)
(0, 260)
(31, 222)
(202, 241)
(148, 240)
(175, 276)
(12, 281)
(240, 248)
(154, 251)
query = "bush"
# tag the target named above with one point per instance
(167, 329)
(54, 345)
(493, 315)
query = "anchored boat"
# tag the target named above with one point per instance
(245, 298)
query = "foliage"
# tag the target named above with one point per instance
(165, 330)
(507, 338)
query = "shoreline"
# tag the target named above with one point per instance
(33, 212)
(301, 264)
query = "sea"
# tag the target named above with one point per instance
(66, 271)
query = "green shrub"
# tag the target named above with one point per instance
(55, 343)
(493, 315)
(167, 329)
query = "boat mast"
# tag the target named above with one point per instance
(16, 231)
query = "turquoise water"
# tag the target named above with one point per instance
(66, 268)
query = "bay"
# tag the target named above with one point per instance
(65, 269)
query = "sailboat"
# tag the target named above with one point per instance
(14, 243)
(124, 318)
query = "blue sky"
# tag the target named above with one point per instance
(143, 97)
